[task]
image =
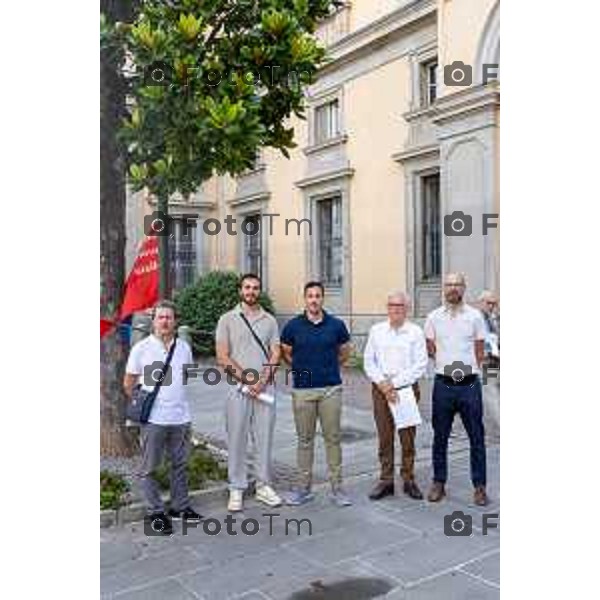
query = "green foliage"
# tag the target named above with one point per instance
(112, 488)
(356, 361)
(233, 72)
(200, 305)
(201, 468)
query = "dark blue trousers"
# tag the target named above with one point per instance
(466, 400)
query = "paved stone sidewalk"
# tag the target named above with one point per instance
(395, 548)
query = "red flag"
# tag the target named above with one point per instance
(105, 327)
(141, 287)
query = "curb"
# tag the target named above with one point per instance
(136, 511)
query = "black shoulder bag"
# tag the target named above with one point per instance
(142, 401)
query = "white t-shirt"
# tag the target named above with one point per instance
(149, 355)
(454, 334)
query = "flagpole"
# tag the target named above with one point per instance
(163, 250)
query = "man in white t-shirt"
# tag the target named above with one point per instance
(168, 428)
(455, 335)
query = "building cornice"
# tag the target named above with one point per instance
(420, 152)
(326, 177)
(378, 31)
(181, 205)
(338, 140)
(241, 200)
(474, 99)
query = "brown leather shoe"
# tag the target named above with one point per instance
(412, 489)
(480, 497)
(381, 490)
(437, 492)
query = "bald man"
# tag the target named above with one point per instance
(455, 334)
(395, 357)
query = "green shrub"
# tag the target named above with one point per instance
(112, 489)
(200, 305)
(355, 361)
(202, 467)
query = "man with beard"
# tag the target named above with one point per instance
(168, 427)
(315, 343)
(455, 335)
(247, 344)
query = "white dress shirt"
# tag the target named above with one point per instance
(397, 354)
(454, 334)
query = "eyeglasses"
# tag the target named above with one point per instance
(393, 305)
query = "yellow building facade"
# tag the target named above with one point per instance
(395, 144)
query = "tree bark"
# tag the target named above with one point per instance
(115, 438)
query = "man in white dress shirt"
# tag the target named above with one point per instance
(395, 357)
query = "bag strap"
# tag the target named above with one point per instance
(165, 366)
(255, 336)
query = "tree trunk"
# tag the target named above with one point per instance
(115, 438)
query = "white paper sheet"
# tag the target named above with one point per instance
(405, 410)
(263, 397)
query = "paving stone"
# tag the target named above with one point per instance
(488, 568)
(322, 578)
(170, 589)
(362, 535)
(428, 555)
(147, 570)
(247, 573)
(451, 586)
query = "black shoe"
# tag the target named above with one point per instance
(412, 489)
(187, 515)
(381, 490)
(157, 524)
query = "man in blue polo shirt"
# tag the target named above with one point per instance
(315, 343)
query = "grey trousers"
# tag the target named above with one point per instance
(155, 439)
(245, 418)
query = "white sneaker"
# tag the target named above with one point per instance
(236, 501)
(266, 494)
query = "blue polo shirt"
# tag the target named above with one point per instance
(315, 347)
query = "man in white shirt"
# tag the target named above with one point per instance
(395, 357)
(168, 426)
(455, 334)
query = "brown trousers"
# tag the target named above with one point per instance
(386, 431)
